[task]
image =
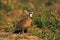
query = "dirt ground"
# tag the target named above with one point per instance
(11, 36)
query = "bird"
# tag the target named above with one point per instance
(24, 24)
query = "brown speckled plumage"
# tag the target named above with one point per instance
(24, 24)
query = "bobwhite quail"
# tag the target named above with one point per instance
(24, 24)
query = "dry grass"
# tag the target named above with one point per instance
(45, 24)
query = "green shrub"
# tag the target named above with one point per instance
(1, 5)
(23, 1)
(7, 8)
(48, 3)
(40, 20)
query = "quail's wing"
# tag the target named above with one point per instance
(21, 22)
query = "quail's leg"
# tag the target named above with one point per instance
(20, 31)
(23, 31)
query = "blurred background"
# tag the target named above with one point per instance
(46, 18)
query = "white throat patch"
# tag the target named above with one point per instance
(31, 15)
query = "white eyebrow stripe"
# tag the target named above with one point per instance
(32, 12)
